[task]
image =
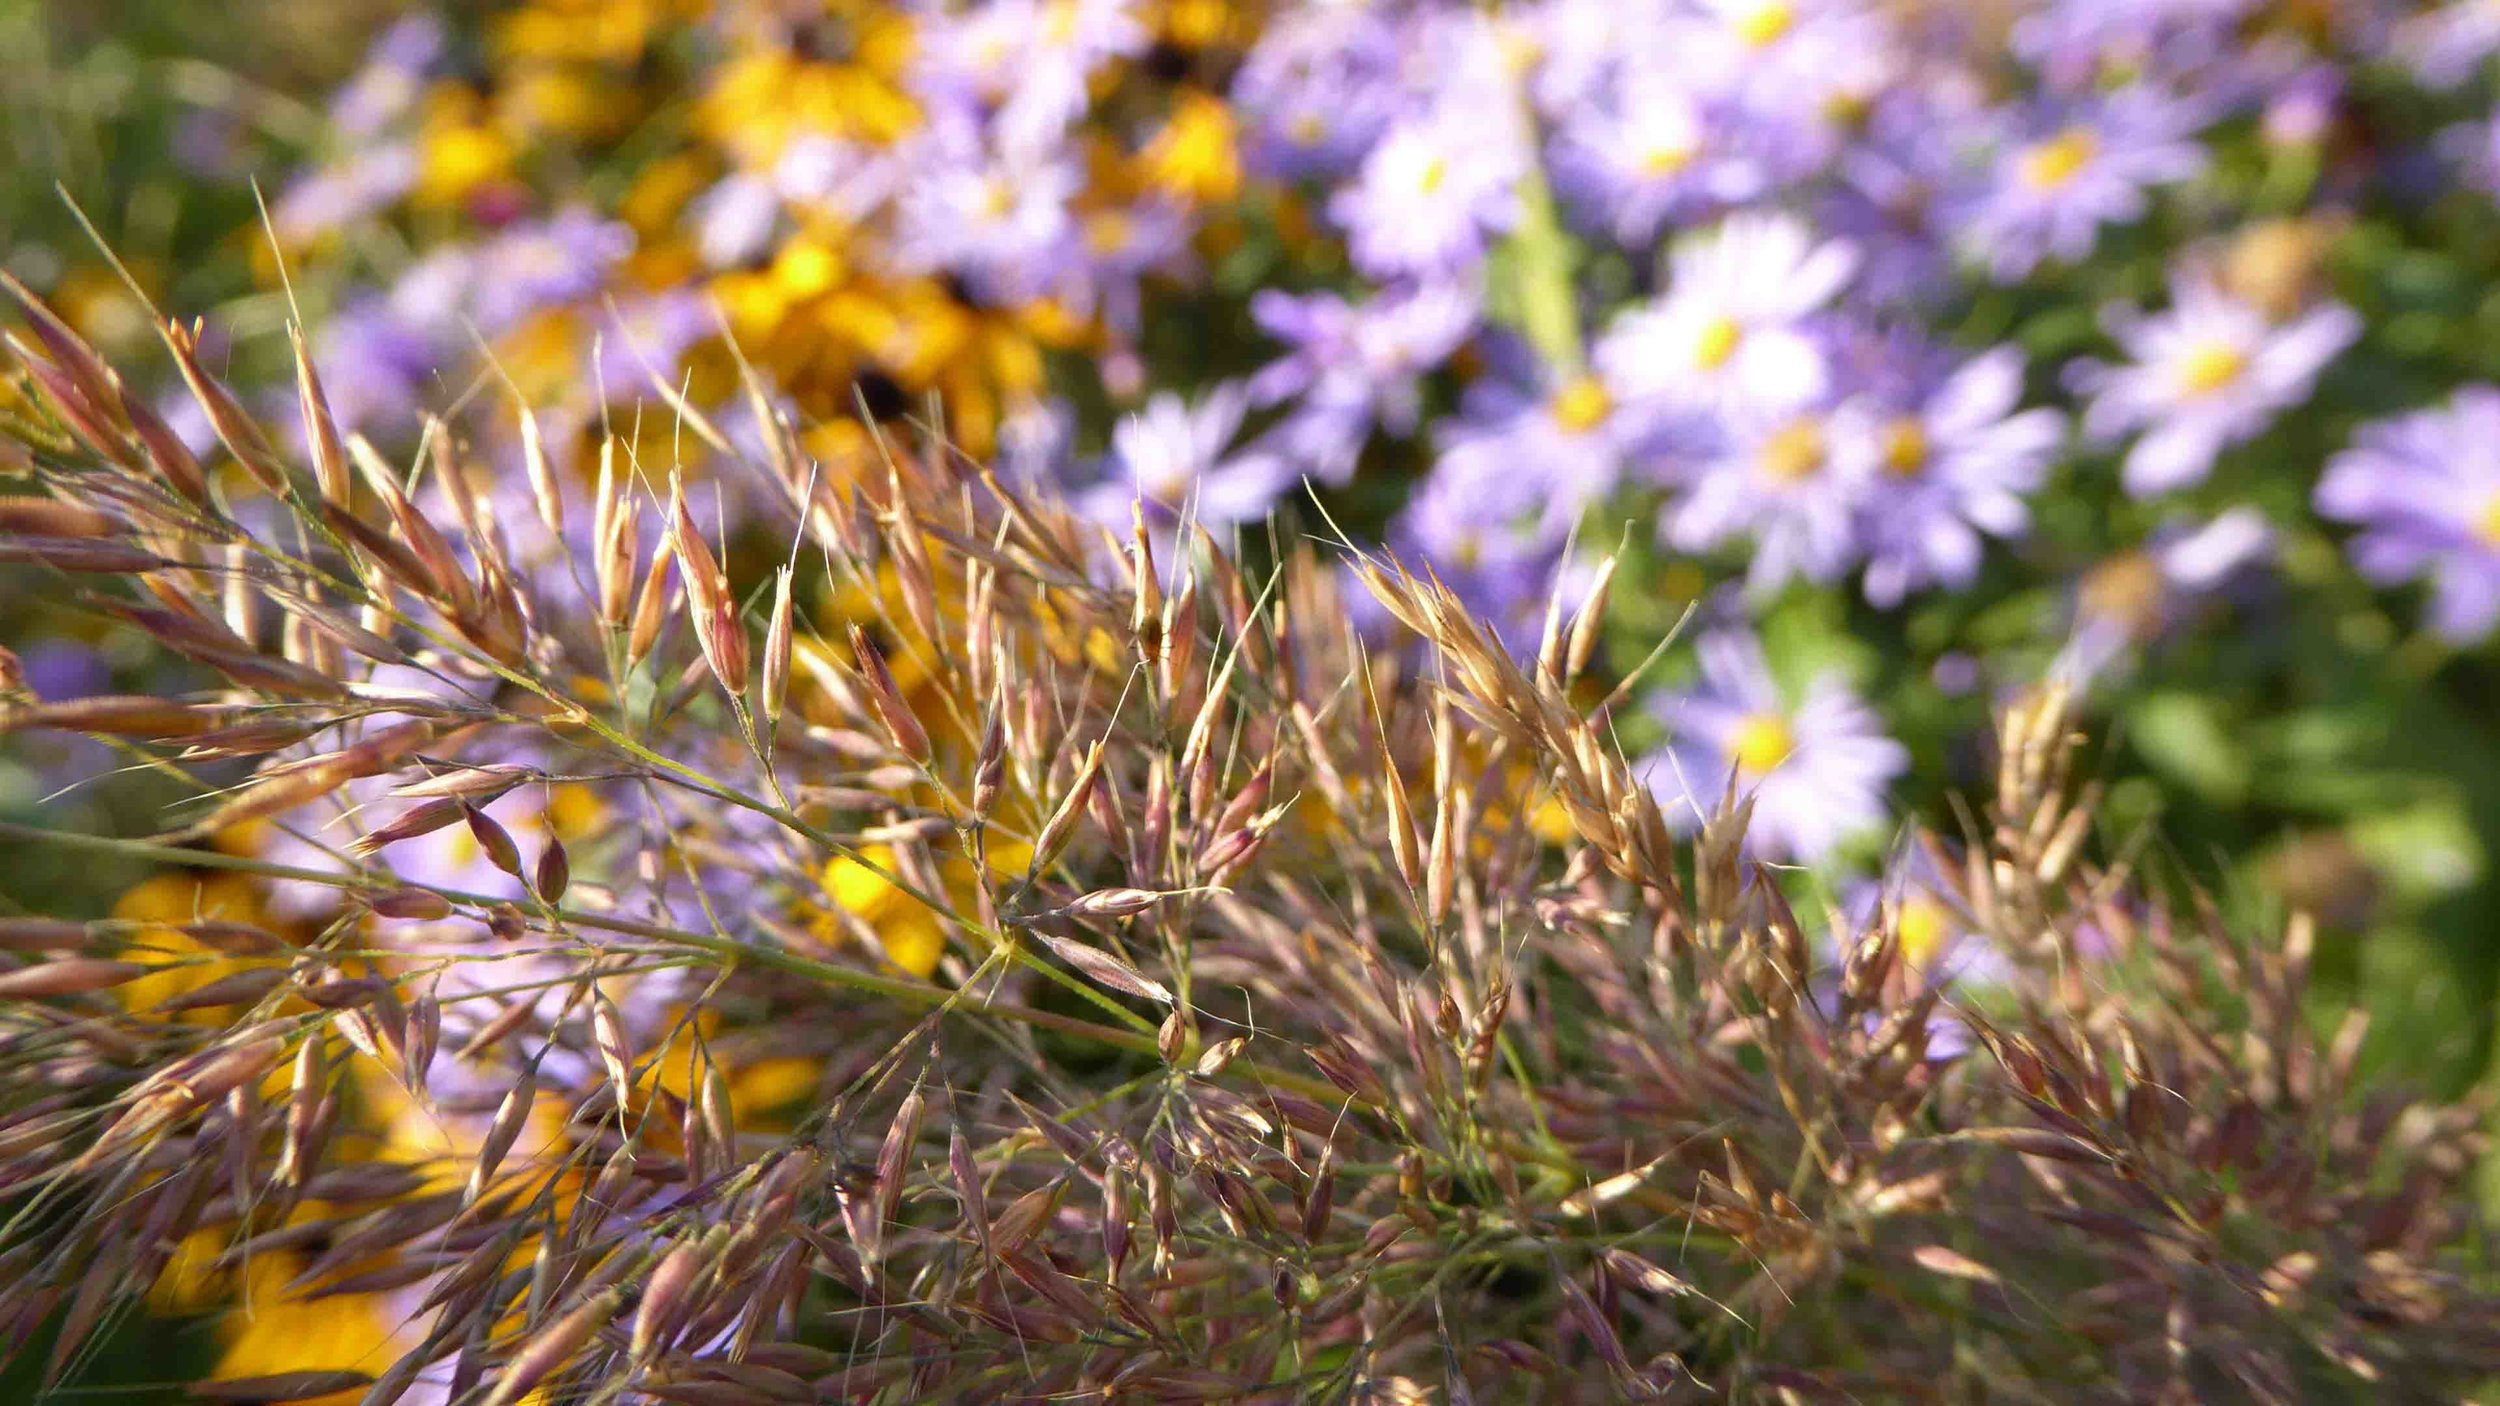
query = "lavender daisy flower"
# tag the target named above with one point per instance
(1023, 64)
(1352, 367)
(1000, 219)
(1816, 768)
(735, 220)
(1480, 536)
(1890, 189)
(2209, 373)
(1580, 47)
(1433, 193)
(1775, 479)
(1941, 940)
(338, 195)
(1179, 460)
(2303, 106)
(2448, 45)
(1317, 91)
(2069, 168)
(56, 671)
(1808, 63)
(1730, 333)
(1120, 246)
(1651, 155)
(2424, 489)
(392, 79)
(1036, 441)
(374, 360)
(1561, 450)
(2075, 42)
(562, 259)
(2135, 597)
(2473, 148)
(648, 334)
(1942, 471)
(836, 179)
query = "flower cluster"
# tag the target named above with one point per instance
(1740, 276)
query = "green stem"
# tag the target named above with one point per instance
(1549, 314)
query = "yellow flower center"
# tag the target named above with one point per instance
(1717, 343)
(1905, 448)
(1581, 405)
(1170, 487)
(1307, 128)
(997, 200)
(1520, 49)
(1922, 924)
(1436, 173)
(805, 268)
(2487, 525)
(1468, 550)
(1794, 454)
(1762, 742)
(1107, 232)
(1062, 23)
(2210, 367)
(2126, 588)
(2050, 164)
(1762, 25)
(1662, 161)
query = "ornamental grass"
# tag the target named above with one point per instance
(994, 959)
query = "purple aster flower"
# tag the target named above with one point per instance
(1942, 938)
(2076, 42)
(647, 335)
(562, 259)
(1816, 767)
(836, 179)
(1941, 471)
(1481, 537)
(1891, 185)
(2474, 149)
(1731, 334)
(337, 195)
(207, 144)
(2448, 45)
(1035, 442)
(1119, 248)
(374, 361)
(1651, 154)
(2303, 106)
(1023, 64)
(1802, 62)
(392, 79)
(2137, 596)
(2424, 489)
(734, 221)
(1179, 460)
(1317, 90)
(2209, 373)
(1774, 479)
(1579, 48)
(1350, 367)
(1433, 193)
(57, 670)
(999, 219)
(1559, 450)
(2067, 168)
